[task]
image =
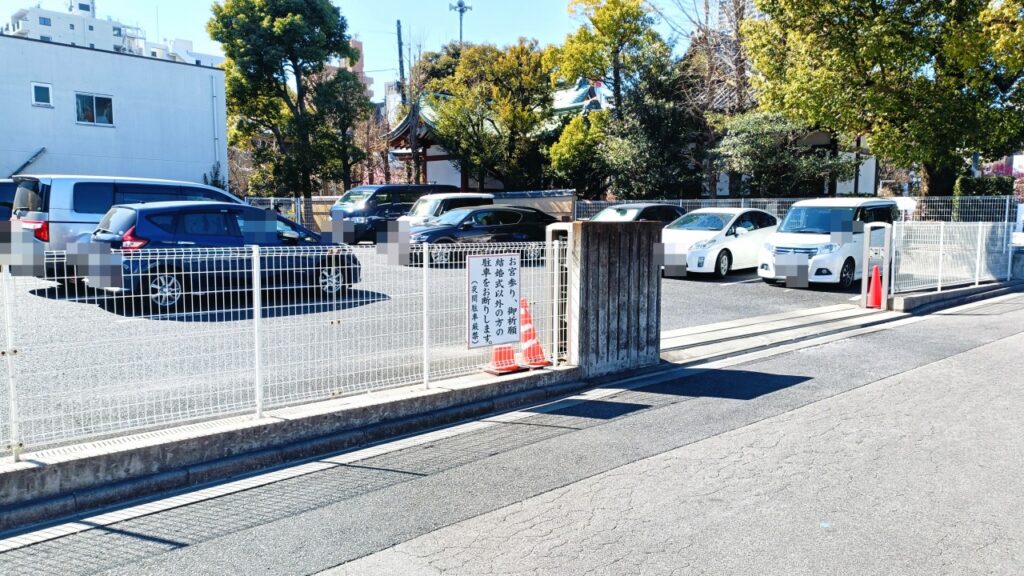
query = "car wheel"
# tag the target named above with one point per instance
(165, 291)
(332, 280)
(846, 274)
(722, 264)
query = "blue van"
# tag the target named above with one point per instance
(158, 242)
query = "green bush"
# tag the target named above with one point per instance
(984, 186)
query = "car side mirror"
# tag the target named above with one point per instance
(740, 231)
(466, 225)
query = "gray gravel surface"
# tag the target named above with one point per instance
(840, 420)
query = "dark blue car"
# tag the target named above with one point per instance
(481, 225)
(157, 243)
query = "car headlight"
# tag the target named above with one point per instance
(418, 239)
(828, 248)
(703, 244)
(358, 219)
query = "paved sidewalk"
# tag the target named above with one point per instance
(918, 473)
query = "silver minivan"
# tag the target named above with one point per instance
(64, 210)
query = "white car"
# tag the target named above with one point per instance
(716, 240)
(432, 206)
(822, 241)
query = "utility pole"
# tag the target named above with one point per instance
(414, 126)
(461, 7)
(401, 63)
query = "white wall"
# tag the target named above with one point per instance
(169, 118)
(866, 185)
(59, 30)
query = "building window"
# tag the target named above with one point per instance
(93, 109)
(117, 31)
(44, 21)
(45, 38)
(84, 7)
(90, 28)
(92, 46)
(41, 95)
(72, 26)
(199, 62)
(152, 53)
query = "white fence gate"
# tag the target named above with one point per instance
(938, 255)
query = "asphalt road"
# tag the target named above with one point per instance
(90, 363)
(893, 452)
(701, 299)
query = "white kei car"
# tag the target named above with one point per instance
(716, 240)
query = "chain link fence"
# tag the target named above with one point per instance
(156, 338)
(925, 208)
(938, 255)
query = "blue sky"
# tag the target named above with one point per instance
(426, 23)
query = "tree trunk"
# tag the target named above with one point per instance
(937, 180)
(307, 202)
(617, 82)
(481, 180)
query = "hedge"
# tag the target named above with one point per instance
(984, 186)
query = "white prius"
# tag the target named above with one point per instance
(716, 240)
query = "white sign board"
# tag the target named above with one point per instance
(493, 303)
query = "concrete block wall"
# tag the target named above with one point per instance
(615, 293)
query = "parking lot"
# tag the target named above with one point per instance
(697, 300)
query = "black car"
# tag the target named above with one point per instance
(639, 212)
(158, 244)
(479, 225)
(364, 211)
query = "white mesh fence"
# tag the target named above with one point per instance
(156, 338)
(926, 208)
(938, 255)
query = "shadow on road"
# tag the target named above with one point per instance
(229, 306)
(728, 384)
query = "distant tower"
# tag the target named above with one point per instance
(85, 8)
(461, 7)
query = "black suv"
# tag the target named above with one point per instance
(365, 210)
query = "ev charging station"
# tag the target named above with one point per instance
(877, 252)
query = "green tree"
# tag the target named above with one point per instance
(652, 149)
(767, 147)
(340, 100)
(576, 158)
(275, 50)
(492, 112)
(926, 81)
(607, 46)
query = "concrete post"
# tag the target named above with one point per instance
(615, 295)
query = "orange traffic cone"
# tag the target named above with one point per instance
(875, 288)
(533, 353)
(503, 361)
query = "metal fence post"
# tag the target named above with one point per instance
(426, 316)
(12, 395)
(942, 255)
(1006, 212)
(977, 257)
(556, 292)
(1009, 251)
(257, 312)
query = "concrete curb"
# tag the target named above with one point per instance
(935, 301)
(66, 482)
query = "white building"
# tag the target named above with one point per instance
(79, 25)
(96, 112)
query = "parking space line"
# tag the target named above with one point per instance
(748, 281)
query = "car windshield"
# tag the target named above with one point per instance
(356, 196)
(616, 215)
(451, 218)
(29, 197)
(424, 208)
(117, 220)
(701, 221)
(817, 220)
